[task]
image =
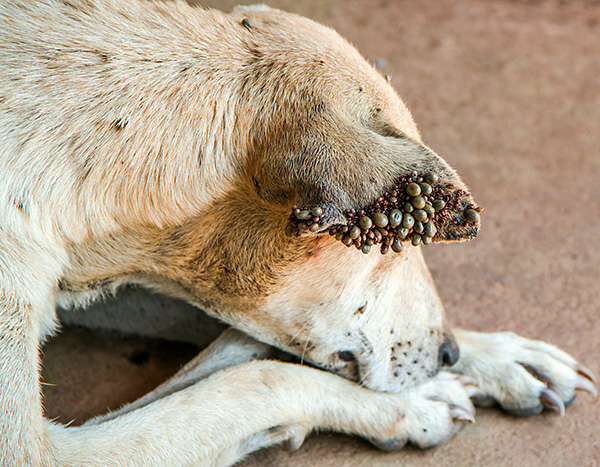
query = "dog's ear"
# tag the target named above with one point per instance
(400, 188)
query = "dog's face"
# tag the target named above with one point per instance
(369, 317)
(326, 130)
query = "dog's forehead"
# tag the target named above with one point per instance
(316, 56)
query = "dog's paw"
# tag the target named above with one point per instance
(426, 415)
(522, 375)
(289, 437)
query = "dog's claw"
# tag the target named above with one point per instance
(461, 414)
(587, 373)
(466, 380)
(585, 384)
(447, 376)
(295, 440)
(473, 391)
(293, 444)
(550, 399)
(469, 385)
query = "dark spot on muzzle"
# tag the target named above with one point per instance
(346, 356)
(449, 353)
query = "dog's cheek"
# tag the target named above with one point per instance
(316, 251)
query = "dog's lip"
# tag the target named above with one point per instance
(349, 369)
(346, 356)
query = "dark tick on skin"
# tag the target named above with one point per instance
(412, 210)
(247, 24)
(120, 123)
(19, 203)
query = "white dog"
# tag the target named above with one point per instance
(162, 145)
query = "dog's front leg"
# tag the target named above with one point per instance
(215, 421)
(260, 403)
(231, 348)
(22, 437)
(522, 375)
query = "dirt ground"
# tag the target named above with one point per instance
(508, 92)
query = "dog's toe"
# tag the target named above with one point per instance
(388, 445)
(523, 376)
(433, 412)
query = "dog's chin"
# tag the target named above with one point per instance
(353, 372)
(379, 379)
(346, 365)
(350, 370)
(346, 369)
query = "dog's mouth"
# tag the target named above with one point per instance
(351, 368)
(348, 365)
(343, 363)
(418, 209)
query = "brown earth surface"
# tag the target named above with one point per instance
(508, 92)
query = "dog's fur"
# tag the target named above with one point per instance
(163, 145)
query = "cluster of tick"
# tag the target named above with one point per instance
(411, 211)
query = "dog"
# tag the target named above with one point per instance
(227, 159)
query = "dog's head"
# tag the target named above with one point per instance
(321, 129)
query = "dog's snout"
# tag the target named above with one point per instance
(449, 352)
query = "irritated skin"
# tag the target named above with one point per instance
(163, 145)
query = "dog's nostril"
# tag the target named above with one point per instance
(449, 352)
(346, 356)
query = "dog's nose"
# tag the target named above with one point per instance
(449, 352)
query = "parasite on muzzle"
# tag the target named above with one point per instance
(414, 210)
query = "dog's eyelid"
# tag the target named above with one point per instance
(389, 131)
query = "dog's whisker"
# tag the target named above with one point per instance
(293, 338)
(306, 345)
(364, 378)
